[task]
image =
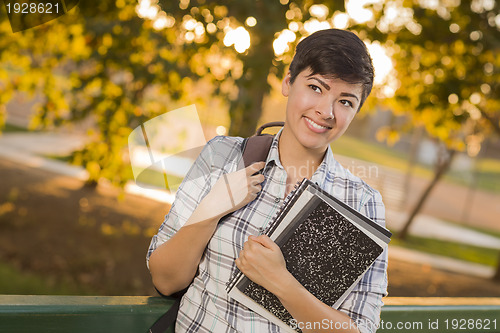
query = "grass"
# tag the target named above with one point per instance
(9, 128)
(488, 170)
(449, 249)
(488, 175)
(489, 232)
(376, 153)
(15, 282)
(61, 158)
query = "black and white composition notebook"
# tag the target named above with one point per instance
(327, 246)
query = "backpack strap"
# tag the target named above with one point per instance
(167, 320)
(256, 148)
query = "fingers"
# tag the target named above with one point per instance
(264, 240)
(254, 167)
(257, 179)
(255, 187)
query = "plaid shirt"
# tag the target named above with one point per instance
(206, 306)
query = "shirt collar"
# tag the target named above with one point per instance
(319, 175)
(273, 154)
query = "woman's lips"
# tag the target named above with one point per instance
(315, 127)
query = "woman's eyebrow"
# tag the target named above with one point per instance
(349, 95)
(327, 87)
(324, 84)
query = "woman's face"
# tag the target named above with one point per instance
(319, 109)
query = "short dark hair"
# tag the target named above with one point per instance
(335, 53)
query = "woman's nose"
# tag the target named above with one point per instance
(325, 110)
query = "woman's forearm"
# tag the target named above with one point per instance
(309, 312)
(174, 263)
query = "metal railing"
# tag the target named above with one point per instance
(58, 314)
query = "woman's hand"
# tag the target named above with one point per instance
(234, 190)
(261, 260)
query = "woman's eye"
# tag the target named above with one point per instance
(346, 103)
(315, 88)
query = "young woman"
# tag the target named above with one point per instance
(213, 226)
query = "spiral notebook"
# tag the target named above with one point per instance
(327, 246)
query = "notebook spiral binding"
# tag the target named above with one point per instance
(270, 228)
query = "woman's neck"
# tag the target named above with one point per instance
(298, 161)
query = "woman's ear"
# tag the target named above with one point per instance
(285, 85)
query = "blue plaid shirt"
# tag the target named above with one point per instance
(206, 306)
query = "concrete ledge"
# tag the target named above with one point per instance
(440, 314)
(63, 314)
(58, 314)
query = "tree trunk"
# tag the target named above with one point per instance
(496, 277)
(253, 86)
(246, 112)
(442, 166)
(414, 146)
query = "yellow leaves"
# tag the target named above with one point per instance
(79, 47)
(3, 112)
(5, 26)
(166, 54)
(20, 61)
(94, 86)
(117, 29)
(107, 40)
(102, 50)
(112, 90)
(150, 232)
(174, 78)
(220, 11)
(56, 41)
(388, 134)
(74, 80)
(93, 168)
(127, 13)
(106, 43)
(442, 133)
(429, 59)
(76, 29)
(129, 228)
(119, 118)
(126, 228)
(135, 58)
(108, 230)
(458, 47)
(120, 3)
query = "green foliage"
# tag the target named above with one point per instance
(446, 59)
(104, 62)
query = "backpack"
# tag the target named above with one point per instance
(254, 149)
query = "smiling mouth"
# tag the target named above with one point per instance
(317, 126)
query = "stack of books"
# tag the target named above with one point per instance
(327, 246)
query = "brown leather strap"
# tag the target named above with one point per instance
(266, 125)
(256, 148)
